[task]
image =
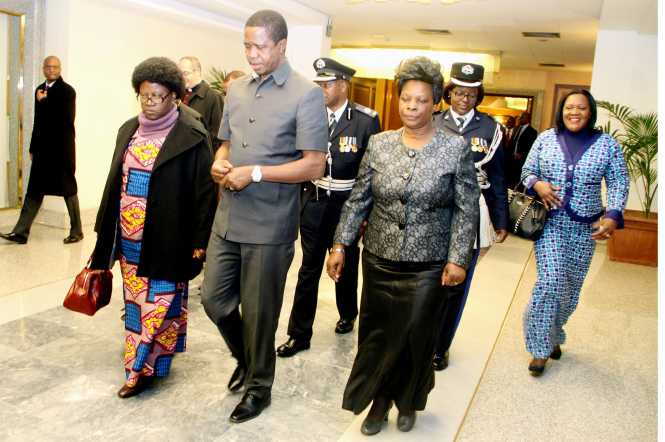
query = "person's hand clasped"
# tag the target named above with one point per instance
(603, 229)
(41, 94)
(219, 170)
(548, 194)
(237, 178)
(452, 275)
(335, 262)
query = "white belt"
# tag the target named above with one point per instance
(328, 183)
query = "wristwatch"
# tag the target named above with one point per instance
(256, 174)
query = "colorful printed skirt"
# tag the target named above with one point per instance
(155, 320)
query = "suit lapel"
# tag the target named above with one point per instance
(448, 123)
(342, 124)
(473, 125)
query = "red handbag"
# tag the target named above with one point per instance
(90, 291)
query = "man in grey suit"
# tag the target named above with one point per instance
(274, 136)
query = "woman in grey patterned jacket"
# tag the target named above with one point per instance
(417, 188)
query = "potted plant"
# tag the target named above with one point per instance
(216, 79)
(638, 241)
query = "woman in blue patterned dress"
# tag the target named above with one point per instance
(565, 167)
(417, 188)
(155, 218)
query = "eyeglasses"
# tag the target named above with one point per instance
(460, 95)
(154, 99)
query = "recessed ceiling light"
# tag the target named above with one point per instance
(449, 2)
(541, 34)
(434, 31)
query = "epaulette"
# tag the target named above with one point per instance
(365, 110)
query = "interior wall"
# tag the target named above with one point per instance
(98, 58)
(631, 79)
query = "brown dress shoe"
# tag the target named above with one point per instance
(537, 366)
(143, 383)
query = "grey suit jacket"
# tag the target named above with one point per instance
(422, 204)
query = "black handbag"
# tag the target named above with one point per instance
(527, 215)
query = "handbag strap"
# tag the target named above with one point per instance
(522, 216)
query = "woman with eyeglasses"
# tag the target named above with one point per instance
(155, 218)
(463, 93)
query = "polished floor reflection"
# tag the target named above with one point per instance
(62, 370)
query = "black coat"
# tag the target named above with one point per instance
(52, 144)
(180, 205)
(210, 104)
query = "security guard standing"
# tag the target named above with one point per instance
(463, 93)
(350, 125)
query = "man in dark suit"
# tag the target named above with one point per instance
(202, 98)
(350, 126)
(520, 144)
(53, 154)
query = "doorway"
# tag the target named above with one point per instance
(12, 35)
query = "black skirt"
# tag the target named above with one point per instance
(400, 312)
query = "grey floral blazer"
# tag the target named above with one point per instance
(422, 204)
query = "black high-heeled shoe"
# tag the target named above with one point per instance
(377, 415)
(537, 366)
(556, 353)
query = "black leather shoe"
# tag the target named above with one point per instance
(291, 347)
(72, 239)
(344, 326)
(377, 415)
(237, 378)
(406, 421)
(141, 385)
(440, 362)
(537, 366)
(13, 237)
(556, 353)
(249, 407)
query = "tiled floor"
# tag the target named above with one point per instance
(62, 370)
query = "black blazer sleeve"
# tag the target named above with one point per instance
(496, 196)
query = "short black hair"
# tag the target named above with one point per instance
(450, 86)
(593, 108)
(421, 69)
(273, 21)
(160, 70)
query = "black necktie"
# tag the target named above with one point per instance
(332, 124)
(460, 122)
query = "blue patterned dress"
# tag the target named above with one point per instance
(564, 251)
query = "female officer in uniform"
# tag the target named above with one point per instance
(463, 93)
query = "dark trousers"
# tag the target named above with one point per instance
(453, 312)
(253, 277)
(318, 222)
(31, 206)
